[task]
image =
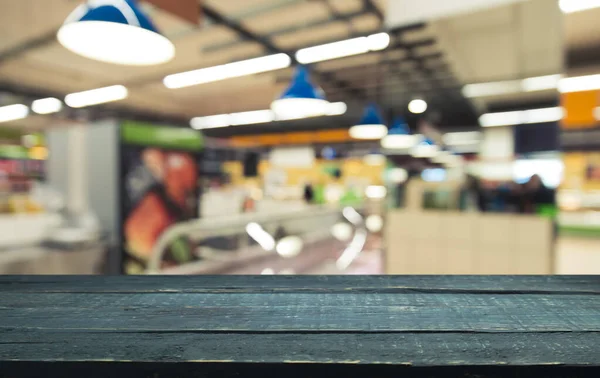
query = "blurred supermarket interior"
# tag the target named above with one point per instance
(300, 137)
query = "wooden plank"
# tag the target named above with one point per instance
(212, 326)
(410, 349)
(306, 284)
(313, 312)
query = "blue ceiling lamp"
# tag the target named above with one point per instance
(371, 126)
(115, 31)
(301, 99)
(425, 149)
(399, 137)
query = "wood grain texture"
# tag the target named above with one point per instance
(415, 321)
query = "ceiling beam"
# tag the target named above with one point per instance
(270, 47)
(370, 6)
(31, 44)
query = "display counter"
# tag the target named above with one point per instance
(579, 224)
(439, 242)
(17, 230)
(85, 259)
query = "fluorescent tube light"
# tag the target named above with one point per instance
(531, 84)
(579, 83)
(96, 96)
(47, 105)
(521, 117)
(462, 138)
(13, 112)
(571, 6)
(491, 89)
(209, 122)
(348, 47)
(501, 119)
(378, 41)
(540, 83)
(228, 71)
(252, 117)
(544, 115)
(257, 116)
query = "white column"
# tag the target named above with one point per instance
(77, 191)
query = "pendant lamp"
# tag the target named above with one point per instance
(115, 31)
(425, 149)
(301, 99)
(371, 126)
(399, 136)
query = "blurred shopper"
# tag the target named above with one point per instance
(536, 195)
(309, 193)
(472, 195)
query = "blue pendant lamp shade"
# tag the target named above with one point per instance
(115, 31)
(371, 125)
(301, 98)
(399, 137)
(425, 149)
(399, 127)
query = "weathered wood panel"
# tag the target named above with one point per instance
(245, 325)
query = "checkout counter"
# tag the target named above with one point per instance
(433, 241)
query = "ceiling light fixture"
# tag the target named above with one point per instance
(579, 83)
(228, 71)
(301, 99)
(462, 138)
(540, 83)
(371, 126)
(47, 105)
(13, 112)
(96, 96)
(251, 118)
(520, 117)
(398, 137)
(115, 31)
(337, 108)
(417, 106)
(209, 122)
(375, 191)
(571, 6)
(491, 89)
(237, 119)
(348, 47)
(425, 149)
(497, 88)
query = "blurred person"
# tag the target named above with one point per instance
(472, 195)
(535, 194)
(309, 193)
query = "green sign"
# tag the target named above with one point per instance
(14, 152)
(145, 134)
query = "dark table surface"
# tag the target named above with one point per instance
(417, 321)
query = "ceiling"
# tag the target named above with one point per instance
(432, 60)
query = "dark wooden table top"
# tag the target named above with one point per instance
(416, 321)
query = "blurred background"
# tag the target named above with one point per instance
(299, 137)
